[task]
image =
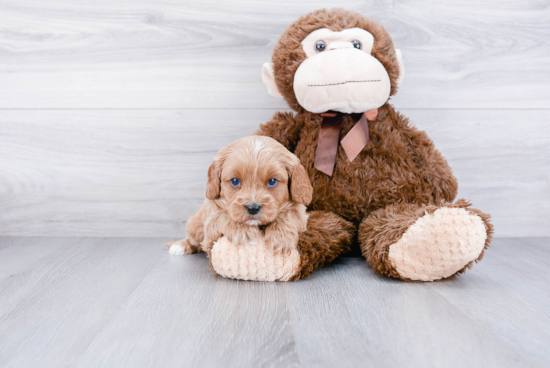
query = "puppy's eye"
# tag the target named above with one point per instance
(235, 182)
(356, 44)
(320, 46)
(272, 183)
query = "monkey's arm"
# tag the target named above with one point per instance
(440, 176)
(433, 167)
(282, 127)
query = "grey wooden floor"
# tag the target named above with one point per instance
(124, 302)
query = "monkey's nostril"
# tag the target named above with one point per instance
(253, 209)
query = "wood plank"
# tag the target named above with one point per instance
(189, 317)
(375, 321)
(110, 172)
(36, 248)
(208, 54)
(55, 309)
(508, 295)
(143, 172)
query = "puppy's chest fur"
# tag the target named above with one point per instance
(281, 233)
(385, 172)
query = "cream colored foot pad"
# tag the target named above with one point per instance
(438, 245)
(253, 262)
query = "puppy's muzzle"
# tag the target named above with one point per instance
(253, 208)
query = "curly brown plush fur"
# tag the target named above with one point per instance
(395, 179)
(327, 236)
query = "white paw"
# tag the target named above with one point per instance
(177, 249)
(180, 247)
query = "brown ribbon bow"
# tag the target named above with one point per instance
(353, 142)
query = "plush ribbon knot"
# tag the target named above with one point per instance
(353, 142)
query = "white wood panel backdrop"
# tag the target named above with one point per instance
(110, 112)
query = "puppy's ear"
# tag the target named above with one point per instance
(213, 185)
(300, 186)
(214, 180)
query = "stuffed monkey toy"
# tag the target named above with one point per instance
(378, 182)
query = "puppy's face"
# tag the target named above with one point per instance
(256, 176)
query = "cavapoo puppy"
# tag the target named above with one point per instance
(257, 193)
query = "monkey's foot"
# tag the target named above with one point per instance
(418, 242)
(254, 261)
(439, 245)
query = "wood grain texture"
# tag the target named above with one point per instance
(143, 172)
(75, 290)
(516, 261)
(110, 112)
(125, 302)
(208, 54)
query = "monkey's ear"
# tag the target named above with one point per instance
(269, 80)
(401, 66)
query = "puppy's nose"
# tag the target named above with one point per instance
(253, 208)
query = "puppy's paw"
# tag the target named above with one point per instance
(180, 247)
(244, 235)
(236, 237)
(281, 244)
(282, 250)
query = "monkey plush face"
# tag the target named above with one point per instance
(334, 60)
(340, 74)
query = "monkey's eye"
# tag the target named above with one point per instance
(320, 46)
(272, 183)
(235, 182)
(356, 44)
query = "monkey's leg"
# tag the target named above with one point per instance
(327, 236)
(416, 242)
